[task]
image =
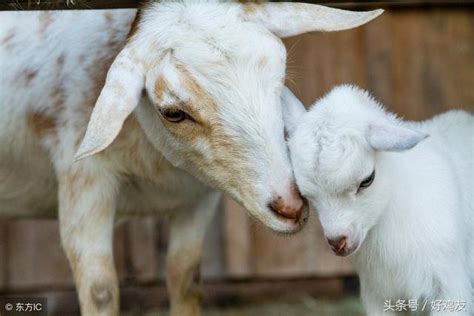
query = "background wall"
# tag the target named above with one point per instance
(418, 62)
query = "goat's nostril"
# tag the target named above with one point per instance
(339, 243)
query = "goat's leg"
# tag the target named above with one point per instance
(187, 230)
(86, 219)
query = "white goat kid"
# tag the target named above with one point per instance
(405, 212)
(203, 81)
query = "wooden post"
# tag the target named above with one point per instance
(116, 4)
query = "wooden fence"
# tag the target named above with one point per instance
(418, 62)
(118, 4)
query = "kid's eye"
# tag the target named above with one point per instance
(367, 181)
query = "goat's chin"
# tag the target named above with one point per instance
(280, 224)
(354, 247)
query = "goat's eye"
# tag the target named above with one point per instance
(173, 115)
(367, 181)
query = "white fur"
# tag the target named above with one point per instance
(52, 72)
(411, 232)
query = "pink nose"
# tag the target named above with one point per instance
(290, 206)
(338, 244)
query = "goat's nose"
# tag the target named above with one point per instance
(338, 244)
(290, 206)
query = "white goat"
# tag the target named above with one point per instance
(203, 80)
(405, 212)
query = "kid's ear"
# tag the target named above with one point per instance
(293, 109)
(389, 137)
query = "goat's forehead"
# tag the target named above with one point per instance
(230, 48)
(215, 26)
(331, 163)
(343, 167)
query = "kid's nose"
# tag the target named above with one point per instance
(338, 244)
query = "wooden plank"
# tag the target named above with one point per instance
(212, 263)
(378, 58)
(143, 298)
(417, 62)
(318, 61)
(421, 62)
(120, 251)
(35, 258)
(116, 4)
(3, 254)
(237, 240)
(141, 255)
(303, 254)
(458, 59)
(397, 4)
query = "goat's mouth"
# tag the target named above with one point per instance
(280, 223)
(346, 249)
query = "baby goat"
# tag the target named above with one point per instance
(404, 209)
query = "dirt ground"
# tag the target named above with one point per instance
(303, 306)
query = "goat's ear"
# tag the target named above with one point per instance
(293, 109)
(118, 98)
(389, 137)
(290, 19)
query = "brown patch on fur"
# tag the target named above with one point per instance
(10, 35)
(198, 95)
(58, 91)
(251, 1)
(30, 75)
(58, 96)
(40, 123)
(108, 17)
(249, 8)
(230, 152)
(60, 61)
(160, 87)
(45, 20)
(25, 77)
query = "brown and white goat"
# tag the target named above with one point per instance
(186, 104)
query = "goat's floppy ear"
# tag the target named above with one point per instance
(388, 137)
(290, 19)
(293, 109)
(118, 98)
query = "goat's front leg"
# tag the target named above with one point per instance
(187, 230)
(86, 219)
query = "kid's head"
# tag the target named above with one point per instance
(335, 151)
